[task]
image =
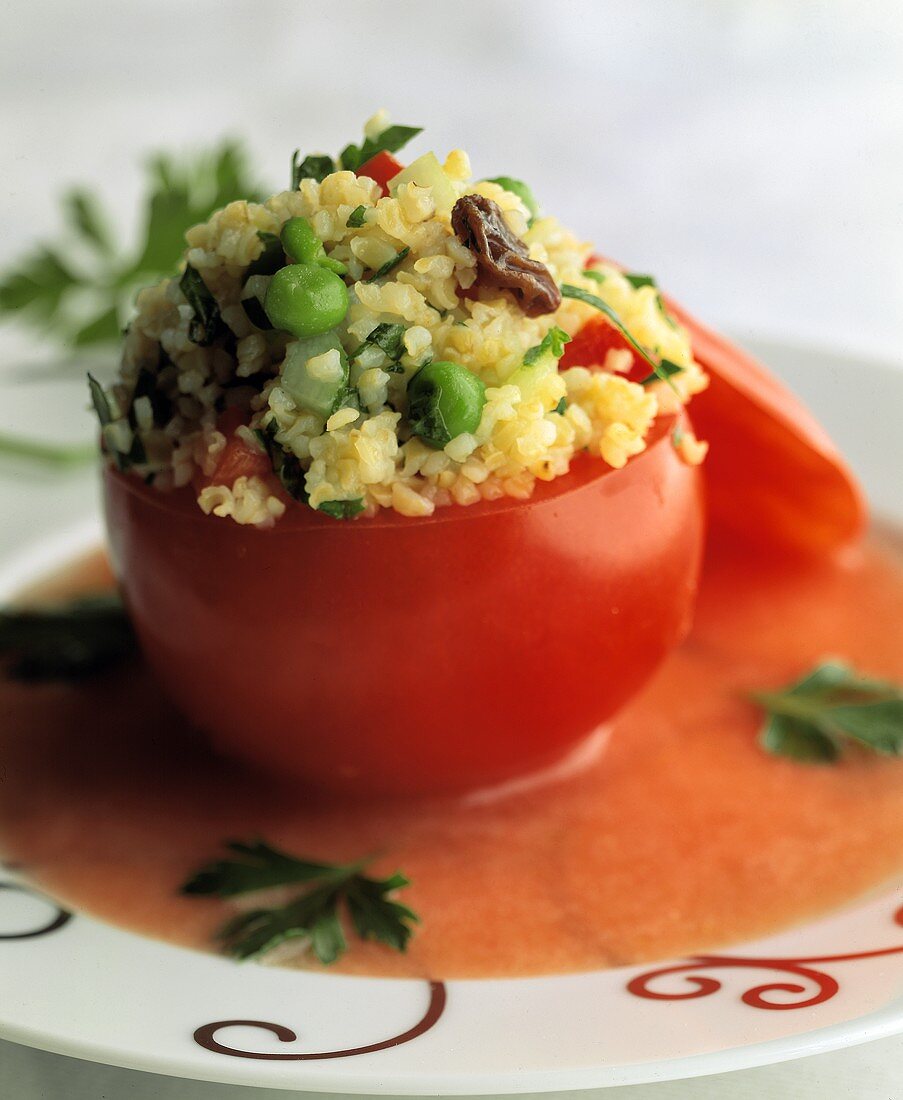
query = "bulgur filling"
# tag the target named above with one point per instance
(429, 372)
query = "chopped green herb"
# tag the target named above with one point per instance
(66, 642)
(286, 465)
(553, 343)
(82, 300)
(636, 281)
(831, 707)
(207, 323)
(271, 258)
(389, 338)
(667, 370)
(316, 167)
(342, 509)
(596, 276)
(313, 916)
(356, 217)
(100, 401)
(388, 265)
(576, 292)
(390, 140)
(256, 314)
(561, 407)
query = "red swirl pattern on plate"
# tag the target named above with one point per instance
(821, 986)
(205, 1035)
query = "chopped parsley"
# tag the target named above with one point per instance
(553, 343)
(388, 265)
(667, 370)
(316, 167)
(581, 295)
(315, 915)
(356, 217)
(561, 407)
(389, 338)
(390, 140)
(207, 323)
(596, 276)
(816, 718)
(286, 465)
(271, 258)
(342, 509)
(65, 642)
(636, 281)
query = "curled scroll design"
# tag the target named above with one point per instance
(206, 1035)
(57, 920)
(814, 987)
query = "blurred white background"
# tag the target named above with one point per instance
(748, 152)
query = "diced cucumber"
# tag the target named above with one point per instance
(539, 363)
(426, 171)
(321, 386)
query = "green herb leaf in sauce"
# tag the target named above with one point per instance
(342, 509)
(388, 265)
(356, 217)
(390, 140)
(315, 916)
(829, 709)
(65, 642)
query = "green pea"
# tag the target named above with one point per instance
(306, 300)
(523, 192)
(300, 241)
(305, 247)
(444, 400)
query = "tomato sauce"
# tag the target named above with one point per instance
(678, 835)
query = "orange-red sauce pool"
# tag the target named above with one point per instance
(681, 835)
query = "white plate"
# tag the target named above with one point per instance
(79, 987)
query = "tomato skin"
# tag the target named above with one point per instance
(774, 479)
(397, 655)
(593, 342)
(238, 458)
(382, 167)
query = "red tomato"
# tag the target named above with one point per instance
(382, 167)
(772, 474)
(593, 342)
(405, 655)
(238, 458)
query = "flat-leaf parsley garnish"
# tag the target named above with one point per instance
(315, 915)
(832, 707)
(65, 642)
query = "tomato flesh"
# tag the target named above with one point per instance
(405, 655)
(594, 341)
(238, 458)
(382, 167)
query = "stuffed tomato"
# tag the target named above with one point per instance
(401, 488)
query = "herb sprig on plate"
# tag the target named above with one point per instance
(829, 710)
(329, 890)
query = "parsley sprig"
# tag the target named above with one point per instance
(79, 290)
(816, 718)
(316, 914)
(65, 642)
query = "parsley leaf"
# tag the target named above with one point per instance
(207, 323)
(562, 406)
(581, 295)
(315, 915)
(342, 509)
(667, 370)
(356, 217)
(390, 140)
(66, 642)
(271, 258)
(553, 343)
(84, 303)
(389, 338)
(315, 167)
(388, 265)
(286, 465)
(816, 718)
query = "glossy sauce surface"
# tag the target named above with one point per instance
(679, 835)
